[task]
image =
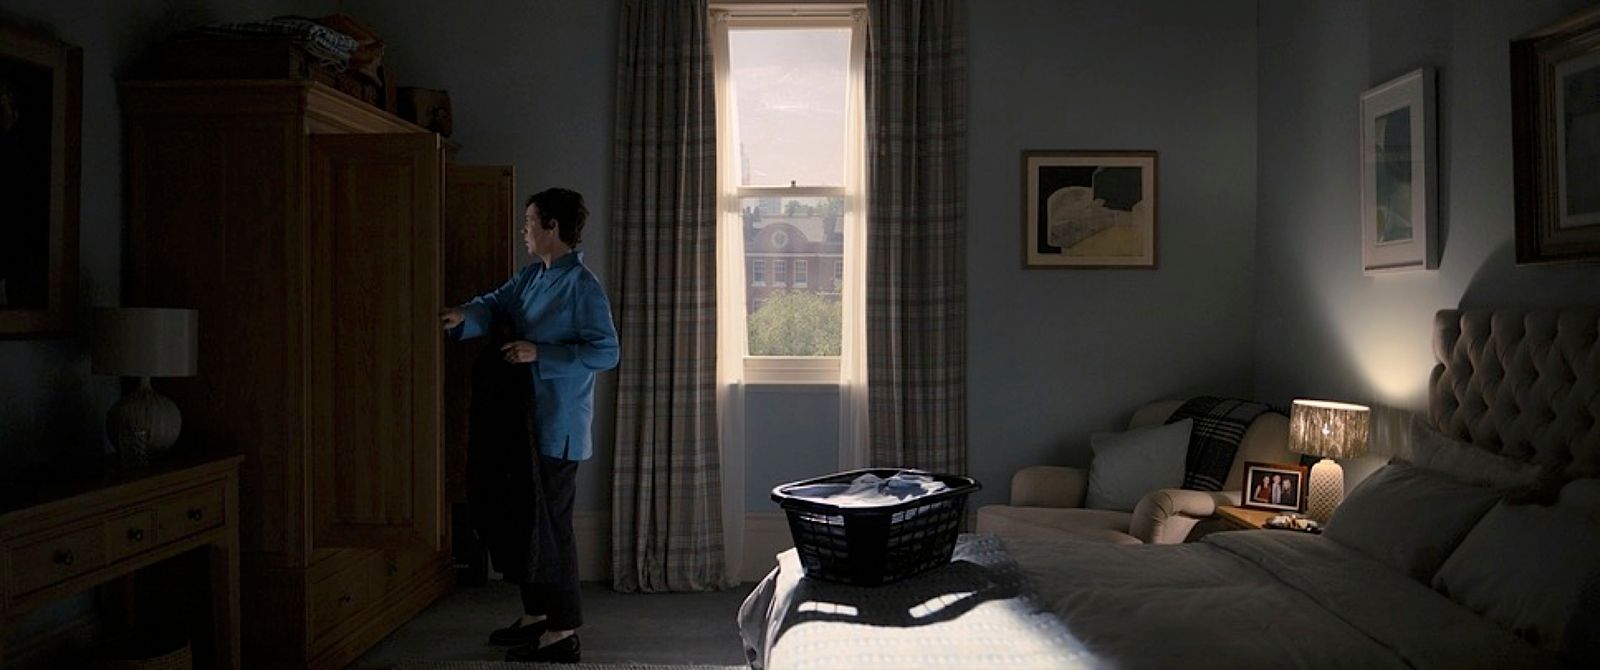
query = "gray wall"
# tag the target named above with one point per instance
(1325, 330)
(1057, 354)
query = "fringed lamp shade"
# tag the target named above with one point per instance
(1330, 430)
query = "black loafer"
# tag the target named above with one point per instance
(516, 633)
(563, 651)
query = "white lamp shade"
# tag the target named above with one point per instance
(1328, 429)
(145, 342)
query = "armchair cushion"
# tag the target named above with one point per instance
(1097, 525)
(1049, 486)
(1128, 465)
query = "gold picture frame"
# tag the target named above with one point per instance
(1555, 135)
(1089, 209)
(41, 108)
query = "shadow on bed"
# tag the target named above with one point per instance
(935, 596)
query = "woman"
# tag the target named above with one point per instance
(564, 320)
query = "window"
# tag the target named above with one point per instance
(791, 112)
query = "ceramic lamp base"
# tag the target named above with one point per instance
(143, 425)
(1326, 490)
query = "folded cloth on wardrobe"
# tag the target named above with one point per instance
(869, 490)
(327, 45)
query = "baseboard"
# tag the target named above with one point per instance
(766, 534)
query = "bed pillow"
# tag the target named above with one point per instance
(1128, 465)
(1436, 452)
(1409, 518)
(1582, 497)
(1536, 571)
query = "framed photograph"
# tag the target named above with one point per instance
(1398, 227)
(1089, 209)
(40, 110)
(1278, 487)
(1555, 138)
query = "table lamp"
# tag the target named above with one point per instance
(144, 342)
(1330, 430)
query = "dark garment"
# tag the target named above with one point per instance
(554, 589)
(502, 473)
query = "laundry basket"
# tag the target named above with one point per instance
(868, 546)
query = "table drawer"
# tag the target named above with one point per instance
(58, 558)
(130, 534)
(339, 596)
(184, 514)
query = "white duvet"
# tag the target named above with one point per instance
(1262, 599)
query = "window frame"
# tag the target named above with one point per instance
(726, 16)
(758, 272)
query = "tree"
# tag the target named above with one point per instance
(796, 324)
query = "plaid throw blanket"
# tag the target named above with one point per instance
(1219, 425)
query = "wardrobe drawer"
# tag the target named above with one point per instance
(345, 593)
(130, 534)
(57, 558)
(183, 514)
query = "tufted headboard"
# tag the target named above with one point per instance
(1523, 383)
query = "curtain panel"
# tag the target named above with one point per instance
(916, 249)
(666, 532)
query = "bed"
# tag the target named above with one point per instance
(1479, 547)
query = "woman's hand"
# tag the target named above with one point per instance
(451, 318)
(520, 351)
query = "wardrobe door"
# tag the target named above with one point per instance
(375, 273)
(482, 222)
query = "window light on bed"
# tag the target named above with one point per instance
(1330, 430)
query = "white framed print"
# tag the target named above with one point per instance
(1399, 228)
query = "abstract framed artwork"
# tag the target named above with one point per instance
(1089, 209)
(1555, 136)
(40, 121)
(1399, 230)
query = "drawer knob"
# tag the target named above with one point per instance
(392, 569)
(136, 534)
(196, 514)
(345, 600)
(64, 557)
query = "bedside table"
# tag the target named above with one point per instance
(1240, 518)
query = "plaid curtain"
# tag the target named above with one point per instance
(916, 249)
(666, 518)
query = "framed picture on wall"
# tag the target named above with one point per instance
(40, 109)
(1279, 487)
(1555, 136)
(1399, 231)
(1089, 209)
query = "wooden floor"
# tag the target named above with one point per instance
(673, 628)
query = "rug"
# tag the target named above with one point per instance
(500, 665)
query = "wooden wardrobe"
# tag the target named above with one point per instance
(311, 231)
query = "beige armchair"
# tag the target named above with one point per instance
(1047, 501)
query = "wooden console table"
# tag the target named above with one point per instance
(90, 534)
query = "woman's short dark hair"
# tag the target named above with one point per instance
(565, 206)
